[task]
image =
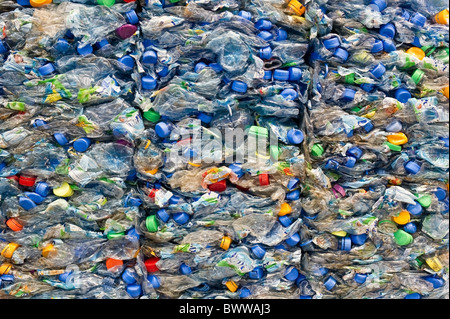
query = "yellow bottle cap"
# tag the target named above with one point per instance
(226, 242)
(402, 218)
(231, 285)
(416, 52)
(9, 250)
(285, 209)
(434, 263)
(5, 268)
(398, 139)
(442, 17)
(297, 7)
(63, 191)
(445, 92)
(152, 172)
(39, 3)
(48, 249)
(340, 233)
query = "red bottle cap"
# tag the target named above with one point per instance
(27, 180)
(150, 264)
(111, 263)
(219, 186)
(152, 193)
(14, 177)
(264, 179)
(128, 1)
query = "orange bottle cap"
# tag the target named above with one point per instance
(442, 17)
(297, 7)
(9, 250)
(398, 139)
(14, 225)
(416, 52)
(39, 3)
(48, 249)
(285, 209)
(111, 263)
(226, 242)
(231, 285)
(5, 268)
(402, 218)
(445, 92)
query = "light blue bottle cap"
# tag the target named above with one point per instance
(87, 49)
(128, 276)
(285, 221)
(394, 127)
(294, 195)
(82, 144)
(134, 290)
(436, 281)
(199, 66)
(415, 209)
(26, 203)
(149, 57)
(127, 61)
(332, 43)
(281, 75)
(258, 251)
(162, 129)
(295, 136)
(377, 46)
(358, 239)
(378, 70)
(265, 35)
(181, 218)
(268, 75)
(295, 74)
(412, 167)
(63, 277)
(416, 42)
(440, 193)
(154, 281)
(355, 152)
(381, 4)
(185, 269)
(414, 295)
(62, 45)
(245, 14)
(329, 283)
(341, 54)
(205, 118)
(256, 273)
(148, 82)
(281, 35)
(237, 170)
(263, 24)
(389, 46)
(418, 19)
(42, 188)
(366, 125)
(35, 197)
(293, 183)
(132, 17)
(24, 2)
(291, 273)
(46, 69)
(61, 139)
(348, 95)
(388, 30)
(293, 240)
(368, 87)
(239, 86)
(289, 94)
(163, 72)
(265, 53)
(402, 95)
(216, 67)
(244, 292)
(360, 278)
(410, 228)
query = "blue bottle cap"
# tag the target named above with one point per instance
(265, 53)
(315, 56)
(200, 66)
(389, 46)
(2, 166)
(42, 188)
(323, 271)
(285, 221)
(258, 251)
(267, 75)
(263, 24)
(128, 276)
(341, 54)
(377, 46)
(69, 34)
(348, 95)
(163, 215)
(185, 269)
(295, 74)
(291, 273)
(293, 183)
(46, 69)
(281, 35)
(163, 72)
(294, 195)
(102, 43)
(24, 2)
(418, 19)
(410, 228)
(436, 281)
(127, 61)
(381, 4)
(61, 139)
(239, 86)
(132, 17)
(82, 144)
(134, 290)
(149, 57)
(245, 14)
(39, 123)
(412, 167)
(154, 281)
(132, 232)
(350, 161)
(414, 295)
(280, 247)
(281, 75)
(388, 30)
(332, 164)
(181, 218)
(360, 278)
(216, 67)
(366, 125)
(445, 140)
(293, 240)
(378, 70)
(35, 197)
(355, 151)
(61, 45)
(406, 15)
(332, 43)
(26, 203)
(329, 283)
(148, 82)
(162, 129)
(205, 118)
(265, 35)
(358, 240)
(237, 170)
(416, 42)
(295, 136)
(87, 49)
(415, 209)
(368, 87)
(345, 244)
(394, 127)
(440, 193)
(305, 297)
(256, 273)
(133, 201)
(244, 292)
(300, 279)
(402, 95)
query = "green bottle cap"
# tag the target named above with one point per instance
(356, 109)
(350, 78)
(152, 116)
(258, 131)
(108, 3)
(317, 150)
(417, 76)
(115, 235)
(387, 226)
(152, 224)
(428, 49)
(275, 152)
(424, 201)
(402, 238)
(395, 148)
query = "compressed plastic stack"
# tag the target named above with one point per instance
(117, 179)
